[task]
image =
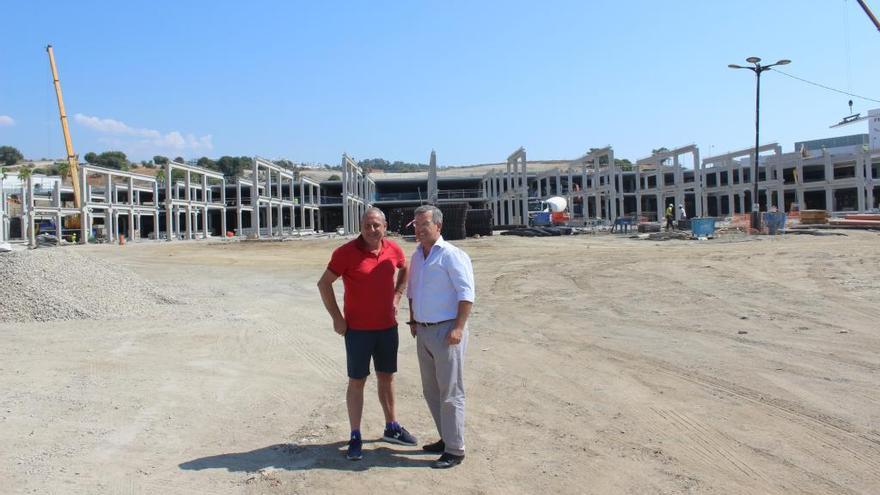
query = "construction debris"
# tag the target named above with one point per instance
(59, 284)
(545, 231)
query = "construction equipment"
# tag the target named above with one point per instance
(553, 212)
(72, 159)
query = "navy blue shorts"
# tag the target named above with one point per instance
(361, 345)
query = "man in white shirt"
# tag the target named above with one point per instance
(441, 294)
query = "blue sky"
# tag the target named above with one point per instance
(474, 80)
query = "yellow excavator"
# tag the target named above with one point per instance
(73, 221)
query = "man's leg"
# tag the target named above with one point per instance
(357, 350)
(386, 395)
(426, 338)
(385, 361)
(354, 399)
(449, 370)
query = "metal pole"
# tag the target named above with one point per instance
(756, 215)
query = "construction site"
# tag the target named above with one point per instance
(685, 322)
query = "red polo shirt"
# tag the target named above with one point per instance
(369, 282)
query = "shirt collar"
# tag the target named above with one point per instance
(440, 243)
(362, 244)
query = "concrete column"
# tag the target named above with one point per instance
(829, 199)
(169, 213)
(188, 197)
(131, 236)
(238, 206)
(205, 222)
(116, 232)
(302, 204)
(255, 200)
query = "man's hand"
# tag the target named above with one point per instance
(397, 296)
(412, 329)
(454, 336)
(339, 326)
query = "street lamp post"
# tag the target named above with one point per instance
(757, 69)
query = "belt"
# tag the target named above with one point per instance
(425, 324)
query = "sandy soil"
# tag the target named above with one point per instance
(597, 364)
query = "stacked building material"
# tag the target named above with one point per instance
(814, 217)
(863, 220)
(478, 222)
(454, 215)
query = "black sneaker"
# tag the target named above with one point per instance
(437, 447)
(399, 435)
(355, 449)
(447, 460)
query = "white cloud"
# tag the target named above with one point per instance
(6, 120)
(145, 140)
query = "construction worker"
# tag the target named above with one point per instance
(367, 266)
(682, 213)
(670, 215)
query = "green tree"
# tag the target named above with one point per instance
(113, 159)
(160, 175)
(63, 168)
(233, 166)
(180, 159)
(206, 162)
(25, 172)
(334, 177)
(10, 155)
(91, 157)
(160, 160)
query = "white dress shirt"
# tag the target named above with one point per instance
(437, 283)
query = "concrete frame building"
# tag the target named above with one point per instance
(4, 217)
(358, 191)
(197, 201)
(507, 192)
(124, 195)
(269, 195)
(309, 203)
(659, 183)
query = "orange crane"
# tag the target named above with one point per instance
(72, 159)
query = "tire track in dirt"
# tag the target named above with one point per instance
(813, 420)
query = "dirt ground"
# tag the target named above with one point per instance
(597, 364)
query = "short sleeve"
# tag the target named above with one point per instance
(399, 256)
(338, 261)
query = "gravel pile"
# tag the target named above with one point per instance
(59, 284)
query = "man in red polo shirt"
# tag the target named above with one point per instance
(367, 266)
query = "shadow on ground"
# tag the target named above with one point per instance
(294, 457)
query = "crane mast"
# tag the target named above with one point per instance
(72, 160)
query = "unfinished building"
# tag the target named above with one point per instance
(507, 192)
(117, 203)
(664, 178)
(273, 204)
(188, 204)
(358, 190)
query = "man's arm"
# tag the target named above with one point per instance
(461, 274)
(400, 286)
(464, 311)
(328, 297)
(412, 319)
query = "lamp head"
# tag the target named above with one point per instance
(753, 60)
